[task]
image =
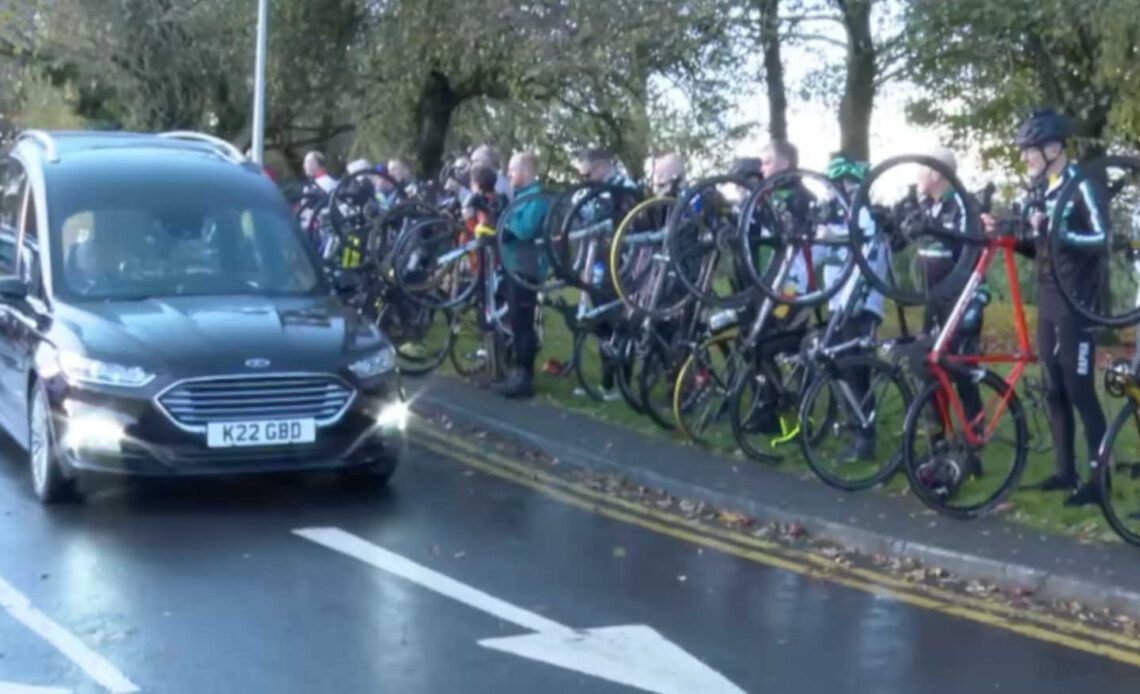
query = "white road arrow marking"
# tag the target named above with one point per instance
(10, 688)
(636, 656)
(104, 673)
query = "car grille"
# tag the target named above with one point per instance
(194, 403)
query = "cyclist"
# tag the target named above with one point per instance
(848, 174)
(937, 259)
(793, 203)
(668, 176)
(388, 193)
(400, 170)
(488, 155)
(1065, 343)
(597, 166)
(314, 165)
(523, 228)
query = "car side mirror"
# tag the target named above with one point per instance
(13, 288)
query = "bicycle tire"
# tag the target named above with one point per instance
(625, 284)
(741, 426)
(810, 442)
(1125, 522)
(479, 356)
(759, 203)
(687, 231)
(567, 260)
(414, 365)
(418, 251)
(684, 400)
(657, 370)
(920, 485)
(1092, 189)
(393, 224)
(586, 344)
(972, 237)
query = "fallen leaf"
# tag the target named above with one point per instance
(733, 518)
(619, 552)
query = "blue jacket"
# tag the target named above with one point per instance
(522, 228)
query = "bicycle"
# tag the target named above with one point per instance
(951, 473)
(1117, 470)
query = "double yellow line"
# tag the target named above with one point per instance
(1059, 630)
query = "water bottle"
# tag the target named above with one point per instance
(598, 274)
(722, 319)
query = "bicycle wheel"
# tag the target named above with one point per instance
(596, 362)
(422, 337)
(578, 232)
(630, 359)
(1118, 473)
(655, 383)
(525, 261)
(436, 264)
(947, 473)
(851, 435)
(393, 224)
(762, 410)
(702, 389)
(470, 353)
(701, 242)
(902, 226)
(793, 238)
(639, 265)
(1097, 268)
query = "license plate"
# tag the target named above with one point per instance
(276, 432)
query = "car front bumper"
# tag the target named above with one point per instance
(112, 432)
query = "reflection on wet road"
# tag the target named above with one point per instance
(469, 576)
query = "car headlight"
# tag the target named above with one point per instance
(80, 369)
(374, 364)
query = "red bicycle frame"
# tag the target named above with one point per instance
(939, 356)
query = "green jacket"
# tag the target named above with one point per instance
(522, 228)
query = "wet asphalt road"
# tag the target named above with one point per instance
(203, 587)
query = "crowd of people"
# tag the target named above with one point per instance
(1064, 341)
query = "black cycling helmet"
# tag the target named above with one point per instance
(1042, 127)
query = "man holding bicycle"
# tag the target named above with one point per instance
(1064, 340)
(523, 228)
(938, 258)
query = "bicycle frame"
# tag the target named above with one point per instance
(939, 358)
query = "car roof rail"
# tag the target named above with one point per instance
(44, 139)
(227, 148)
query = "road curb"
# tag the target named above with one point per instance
(1006, 574)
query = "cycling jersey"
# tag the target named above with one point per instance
(324, 181)
(938, 257)
(1083, 227)
(835, 256)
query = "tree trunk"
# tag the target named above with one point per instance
(1089, 127)
(437, 104)
(858, 101)
(773, 69)
(636, 140)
